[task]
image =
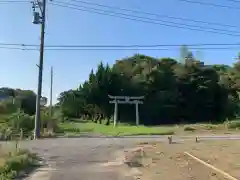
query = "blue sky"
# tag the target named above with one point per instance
(67, 26)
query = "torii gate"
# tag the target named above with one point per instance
(125, 100)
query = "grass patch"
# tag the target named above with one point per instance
(13, 162)
(120, 130)
(77, 128)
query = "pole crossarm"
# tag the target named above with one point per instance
(125, 102)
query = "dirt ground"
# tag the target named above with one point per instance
(101, 158)
(168, 161)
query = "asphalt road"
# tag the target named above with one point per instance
(81, 158)
(78, 158)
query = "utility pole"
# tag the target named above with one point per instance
(51, 88)
(39, 19)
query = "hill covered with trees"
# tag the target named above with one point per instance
(186, 92)
(12, 99)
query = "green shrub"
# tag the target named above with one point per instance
(57, 114)
(5, 133)
(17, 125)
(211, 127)
(233, 125)
(7, 107)
(21, 121)
(189, 128)
(16, 162)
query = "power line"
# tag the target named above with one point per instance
(211, 4)
(17, 48)
(150, 19)
(18, 44)
(153, 14)
(123, 49)
(119, 46)
(136, 18)
(13, 1)
(138, 49)
(235, 1)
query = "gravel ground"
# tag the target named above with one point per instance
(81, 158)
(78, 159)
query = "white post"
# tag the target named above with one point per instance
(115, 113)
(137, 114)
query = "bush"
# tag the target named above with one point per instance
(21, 121)
(233, 125)
(16, 162)
(7, 107)
(16, 125)
(5, 133)
(189, 128)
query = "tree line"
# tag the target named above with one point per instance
(13, 99)
(185, 92)
(174, 92)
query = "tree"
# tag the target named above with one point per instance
(174, 92)
(23, 99)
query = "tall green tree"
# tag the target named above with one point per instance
(174, 92)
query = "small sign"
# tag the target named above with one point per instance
(43, 101)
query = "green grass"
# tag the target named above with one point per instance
(3, 118)
(12, 162)
(120, 130)
(78, 127)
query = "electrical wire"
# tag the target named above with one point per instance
(235, 1)
(120, 46)
(150, 19)
(18, 44)
(153, 14)
(134, 18)
(210, 4)
(139, 49)
(17, 48)
(119, 49)
(13, 1)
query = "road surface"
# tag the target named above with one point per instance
(81, 158)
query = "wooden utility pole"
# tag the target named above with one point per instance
(39, 20)
(51, 89)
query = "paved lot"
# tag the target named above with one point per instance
(81, 158)
(78, 159)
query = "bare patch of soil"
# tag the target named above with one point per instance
(168, 161)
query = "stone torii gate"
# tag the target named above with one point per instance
(125, 100)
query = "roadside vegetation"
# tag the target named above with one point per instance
(186, 97)
(17, 114)
(14, 161)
